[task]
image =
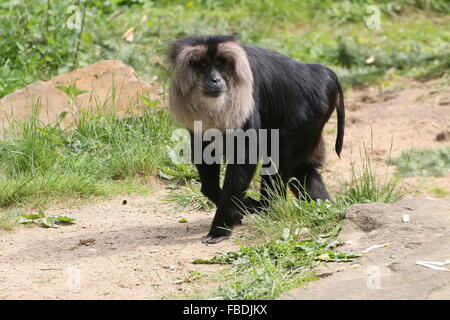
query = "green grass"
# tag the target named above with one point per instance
(189, 197)
(370, 182)
(101, 155)
(9, 218)
(280, 249)
(36, 42)
(425, 162)
(440, 192)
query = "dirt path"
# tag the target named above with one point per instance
(407, 115)
(141, 251)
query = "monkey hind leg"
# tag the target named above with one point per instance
(251, 206)
(307, 183)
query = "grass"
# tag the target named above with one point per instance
(440, 192)
(37, 42)
(9, 218)
(189, 197)
(425, 162)
(101, 155)
(280, 249)
(369, 184)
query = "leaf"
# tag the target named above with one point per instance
(165, 175)
(370, 60)
(203, 261)
(25, 221)
(71, 91)
(65, 218)
(128, 36)
(48, 222)
(215, 260)
(332, 256)
(32, 216)
(147, 102)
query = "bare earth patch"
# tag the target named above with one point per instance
(407, 115)
(141, 251)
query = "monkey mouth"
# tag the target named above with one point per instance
(213, 92)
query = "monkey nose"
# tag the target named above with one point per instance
(216, 80)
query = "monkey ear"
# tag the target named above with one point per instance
(175, 48)
(182, 76)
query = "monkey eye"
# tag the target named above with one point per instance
(203, 63)
(199, 64)
(219, 62)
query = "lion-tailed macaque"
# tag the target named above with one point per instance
(228, 87)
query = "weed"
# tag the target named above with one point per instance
(368, 184)
(440, 192)
(190, 197)
(425, 162)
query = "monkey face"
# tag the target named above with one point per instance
(211, 75)
(211, 82)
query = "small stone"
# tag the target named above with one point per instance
(443, 136)
(86, 242)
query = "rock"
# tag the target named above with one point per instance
(110, 85)
(390, 272)
(86, 242)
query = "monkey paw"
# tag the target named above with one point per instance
(216, 235)
(212, 239)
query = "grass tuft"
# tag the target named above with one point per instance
(368, 184)
(189, 197)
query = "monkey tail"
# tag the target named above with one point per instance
(340, 109)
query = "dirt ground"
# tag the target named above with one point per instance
(406, 115)
(142, 251)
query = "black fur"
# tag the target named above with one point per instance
(294, 97)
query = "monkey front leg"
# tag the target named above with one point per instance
(209, 173)
(228, 213)
(210, 181)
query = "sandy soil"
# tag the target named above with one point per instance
(407, 115)
(141, 251)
